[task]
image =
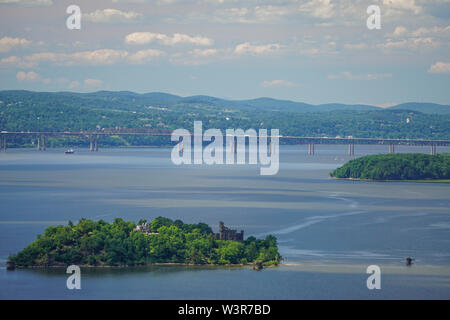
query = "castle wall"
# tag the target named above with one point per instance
(229, 234)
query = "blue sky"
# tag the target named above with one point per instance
(315, 51)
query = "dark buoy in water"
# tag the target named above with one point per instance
(10, 265)
(409, 261)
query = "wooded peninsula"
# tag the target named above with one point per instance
(411, 166)
(123, 243)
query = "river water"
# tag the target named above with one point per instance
(329, 231)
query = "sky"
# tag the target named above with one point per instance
(314, 51)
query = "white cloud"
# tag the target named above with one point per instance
(349, 76)
(14, 61)
(145, 55)
(197, 56)
(417, 43)
(91, 58)
(31, 76)
(247, 48)
(258, 14)
(27, 76)
(278, 83)
(28, 2)
(8, 43)
(436, 31)
(111, 16)
(393, 44)
(264, 13)
(96, 57)
(203, 52)
(46, 57)
(411, 44)
(140, 38)
(398, 31)
(433, 31)
(322, 9)
(440, 67)
(99, 57)
(93, 83)
(420, 39)
(408, 5)
(232, 15)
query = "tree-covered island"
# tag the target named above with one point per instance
(411, 166)
(123, 243)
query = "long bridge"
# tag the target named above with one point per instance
(94, 135)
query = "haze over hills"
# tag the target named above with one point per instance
(423, 107)
(127, 100)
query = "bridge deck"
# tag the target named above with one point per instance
(293, 139)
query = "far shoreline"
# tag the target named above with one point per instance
(374, 180)
(158, 264)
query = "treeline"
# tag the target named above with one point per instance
(23, 111)
(414, 166)
(120, 244)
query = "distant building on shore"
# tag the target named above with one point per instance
(228, 234)
(145, 229)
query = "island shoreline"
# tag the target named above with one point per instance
(374, 180)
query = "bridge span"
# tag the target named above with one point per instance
(93, 137)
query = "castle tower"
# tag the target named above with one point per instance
(221, 230)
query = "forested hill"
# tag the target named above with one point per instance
(99, 243)
(126, 100)
(66, 111)
(430, 108)
(396, 167)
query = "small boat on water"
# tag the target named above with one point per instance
(69, 151)
(409, 261)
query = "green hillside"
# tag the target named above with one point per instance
(121, 244)
(396, 167)
(66, 111)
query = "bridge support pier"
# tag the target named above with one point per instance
(311, 149)
(3, 143)
(91, 144)
(41, 143)
(433, 149)
(351, 149)
(233, 145)
(391, 148)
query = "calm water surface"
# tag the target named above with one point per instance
(329, 231)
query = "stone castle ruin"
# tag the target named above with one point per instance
(228, 234)
(224, 232)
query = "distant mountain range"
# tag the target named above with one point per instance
(126, 100)
(68, 111)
